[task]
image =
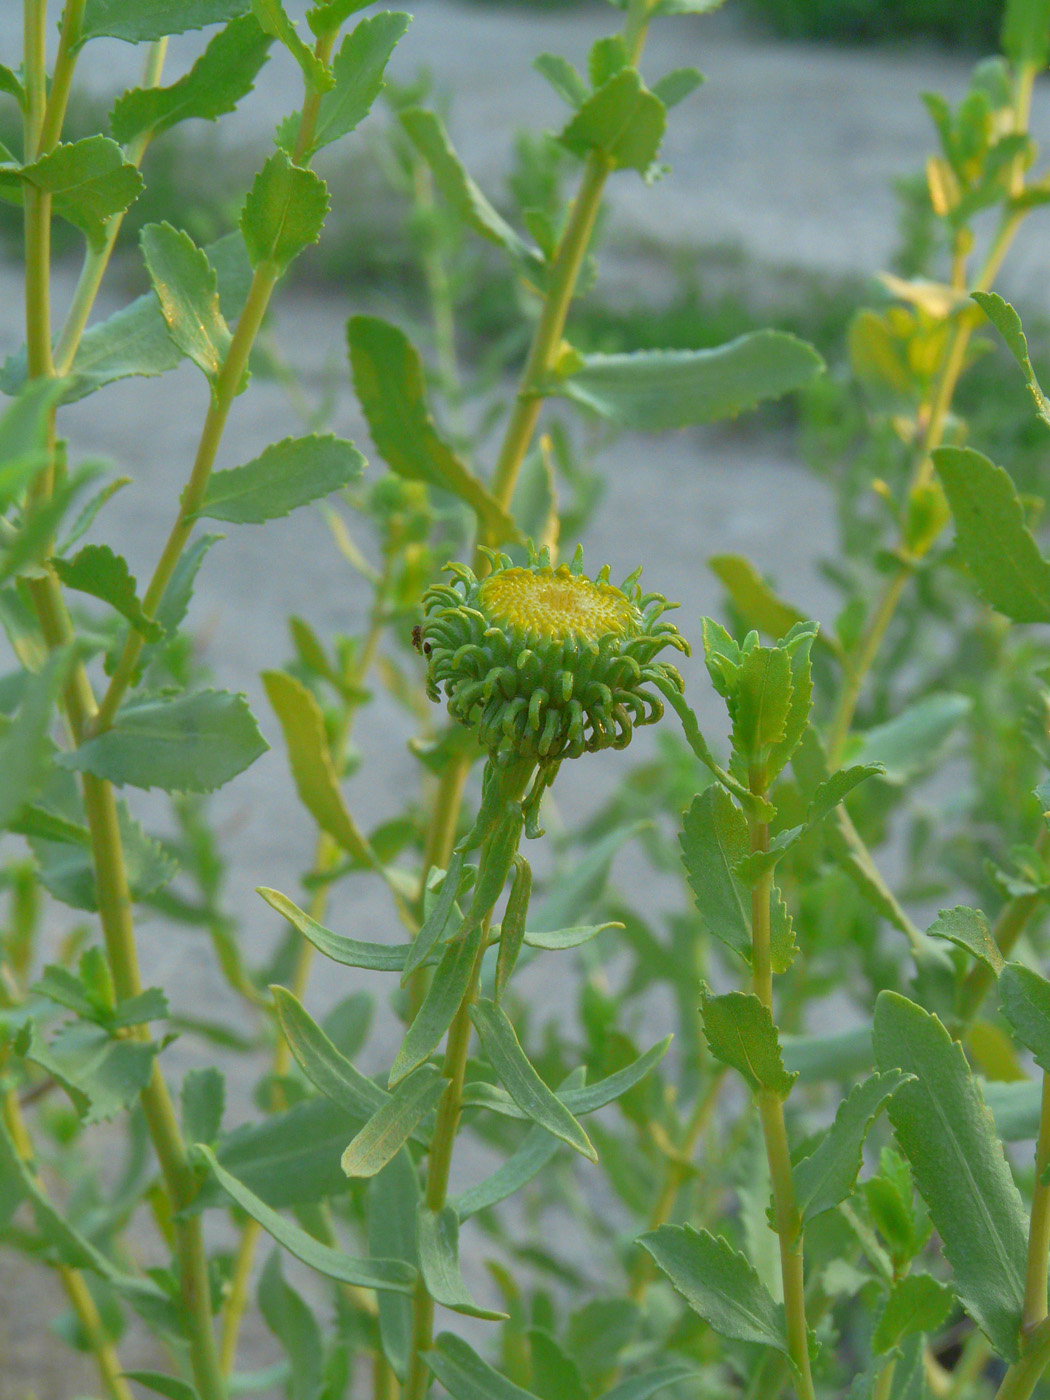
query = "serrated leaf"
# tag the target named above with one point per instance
(96, 570)
(622, 121)
(516, 1073)
(437, 1236)
(719, 1284)
(145, 21)
(465, 1376)
(760, 701)
(1007, 322)
(327, 15)
(203, 1099)
(562, 77)
(388, 377)
(1025, 999)
(968, 928)
(714, 840)
(427, 133)
(316, 781)
(376, 957)
(284, 212)
(837, 788)
(947, 1134)
(66, 867)
(220, 78)
(88, 181)
(187, 291)
(25, 746)
(917, 1303)
(828, 1174)
(286, 475)
(102, 1076)
(656, 389)
(186, 743)
(740, 1032)
(326, 1068)
(333, 1263)
(443, 999)
(390, 1127)
(273, 19)
(992, 536)
(358, 70)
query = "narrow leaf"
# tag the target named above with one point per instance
(333, 1263)
(465, 1376)
(719, 1284)
(913, 740)
(437, 1234)
(556, 940)
(1025, 998)
(827, 1176)
(1007, 322)
(326, 1068)
(992, 536)
(512, 929)
(523, 1084)
(434, 926)
(203, 1099)
(375, 957)
(948, 1136)
(677, 85)
(521, 1167)
(444, 996)
(187, 290)
(189, 743)
(388, 377)
(655, 389)
(837, 788)
(358, 70)
(562, 77)
(393, 1201)
(390, 1127)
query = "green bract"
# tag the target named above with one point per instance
(543, 662)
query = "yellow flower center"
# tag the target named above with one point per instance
(555, 604)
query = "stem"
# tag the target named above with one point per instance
(1039, 1233)
(858, 669)
(1023, 1376)
(62, 77)
(34, 36)
(883, 1387)
(514, 781)
(771, 1112)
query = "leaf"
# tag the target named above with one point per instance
(1026, 32)
(358, 70)
(101, 1075)
(271, 15)
(837, 788)
(815, 1059)
(827, 1176)
(427, 133)
(947, 1134)
(512, 929)
(522, 1083)
(968, 928)
(168, 1386)
(718, 1284)
(189, 743)
(88, 181)
(288, 1158)
(393, 1200)
(622, 120)
(562, 77)
(917, 1303)
(992, 536)
(557, 940)
(913, 739)
(175, 599)
(327, 15)
(655, 389)
(325, 1067)
(435, 924)
(675, 86)
(10, 84)
(443, 999)
(521, 1167)
(187, 290)
(145, 21)
(1007, 322)
(295, 1327)
(437, 1234)
(576, 889)
(203, 1100)
(579, 1099)
(390, 1127)
(288, 474)
(391, 1274)
(740, 1032)
(761, 701)
(388, 377)
(1025, 999)
(98, 571)
(284, 212)
(311, 761)
(714, 840)
(223, 74)
(376, 957)
(67, 871)
(25, 746)
(752, 596)
(644, 1386)
(465, 1376)
(24, 436)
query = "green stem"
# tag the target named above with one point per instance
(1023, 1376)
(1039, 1231)
(786, 1213)
(883, 1387)
(62, 76)
(34, 39)
(859, 666)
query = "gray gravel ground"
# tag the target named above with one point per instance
(787, 152)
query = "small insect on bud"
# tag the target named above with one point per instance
(542, 661)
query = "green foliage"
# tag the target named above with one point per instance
(286, 475)
(88, 181)
(284, 212)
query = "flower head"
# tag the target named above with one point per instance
(543, 662)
